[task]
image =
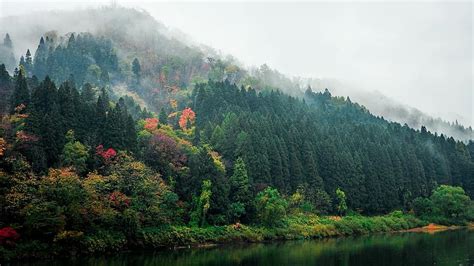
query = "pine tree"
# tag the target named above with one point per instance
(130, 134)
(239, 183)
(240, 194)
(163, 117)
(87, 93)
(6, 89)
(40, 68)
(67, 106)
(136, 68)
(217, 138)
(28, 63)
(52, 137)
(7, 42)
(6, 53)
(276, 170)
(113, 131)
(21, 94)
(101, 119)
(310, 168)
(22, 62)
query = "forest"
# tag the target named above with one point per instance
(212, 155)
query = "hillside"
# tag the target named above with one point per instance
(170, 62)
(108, 143)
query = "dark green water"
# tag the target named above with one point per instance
(443, 248)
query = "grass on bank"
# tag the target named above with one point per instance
(297, 226)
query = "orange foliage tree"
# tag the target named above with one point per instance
(187, 115)
(151, 124)
(3, 147)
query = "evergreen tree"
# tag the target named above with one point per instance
(40, 59)
(6, 53)
(136, 68)
(52, 137)
(6, 90)
(21, 94)
(102, 108)
(7, 42)
(163, 117)
(28, 63)
(240, 188)
(22, 62)
(88, 93)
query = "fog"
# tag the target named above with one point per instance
(415, 54)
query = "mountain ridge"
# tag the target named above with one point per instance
(160, 42)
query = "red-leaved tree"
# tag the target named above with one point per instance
(119, 200)
(8, 236)
(107, 155)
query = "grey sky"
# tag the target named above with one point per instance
(419, 53)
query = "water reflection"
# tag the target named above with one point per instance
(443, 248)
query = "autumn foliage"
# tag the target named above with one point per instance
(24, 137)
(187, 115)
(166, 151)
(119, 200)
(151, 124)
(107, 155)
(3, 145)
(8, 235)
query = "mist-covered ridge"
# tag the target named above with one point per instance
(170, 61)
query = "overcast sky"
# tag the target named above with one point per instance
(418, 53)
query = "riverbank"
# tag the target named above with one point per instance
(171, 237)
(434, 228)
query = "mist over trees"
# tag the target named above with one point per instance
(124, 137)
(7, 56)
(176, 61)
(296, 142)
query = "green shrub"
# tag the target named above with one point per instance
(271, 207)
(104, 241)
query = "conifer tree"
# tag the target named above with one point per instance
(163, 117)
(28, 63)
(21, 94)
(239, 183)
(6, 53)
(136, 68)
(40, 60)
(6, 89)
(7, 42)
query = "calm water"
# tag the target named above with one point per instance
(443, 248)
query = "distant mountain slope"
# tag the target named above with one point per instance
(170, 62)
(381, 105)
(325, 143)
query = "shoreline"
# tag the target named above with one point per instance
(295, 227)
(434, 228)
(298, 227)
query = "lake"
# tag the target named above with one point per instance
(454, 247)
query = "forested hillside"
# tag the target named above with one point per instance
(168, 62)
(80, 158)
(324, 143)
(312, 146)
